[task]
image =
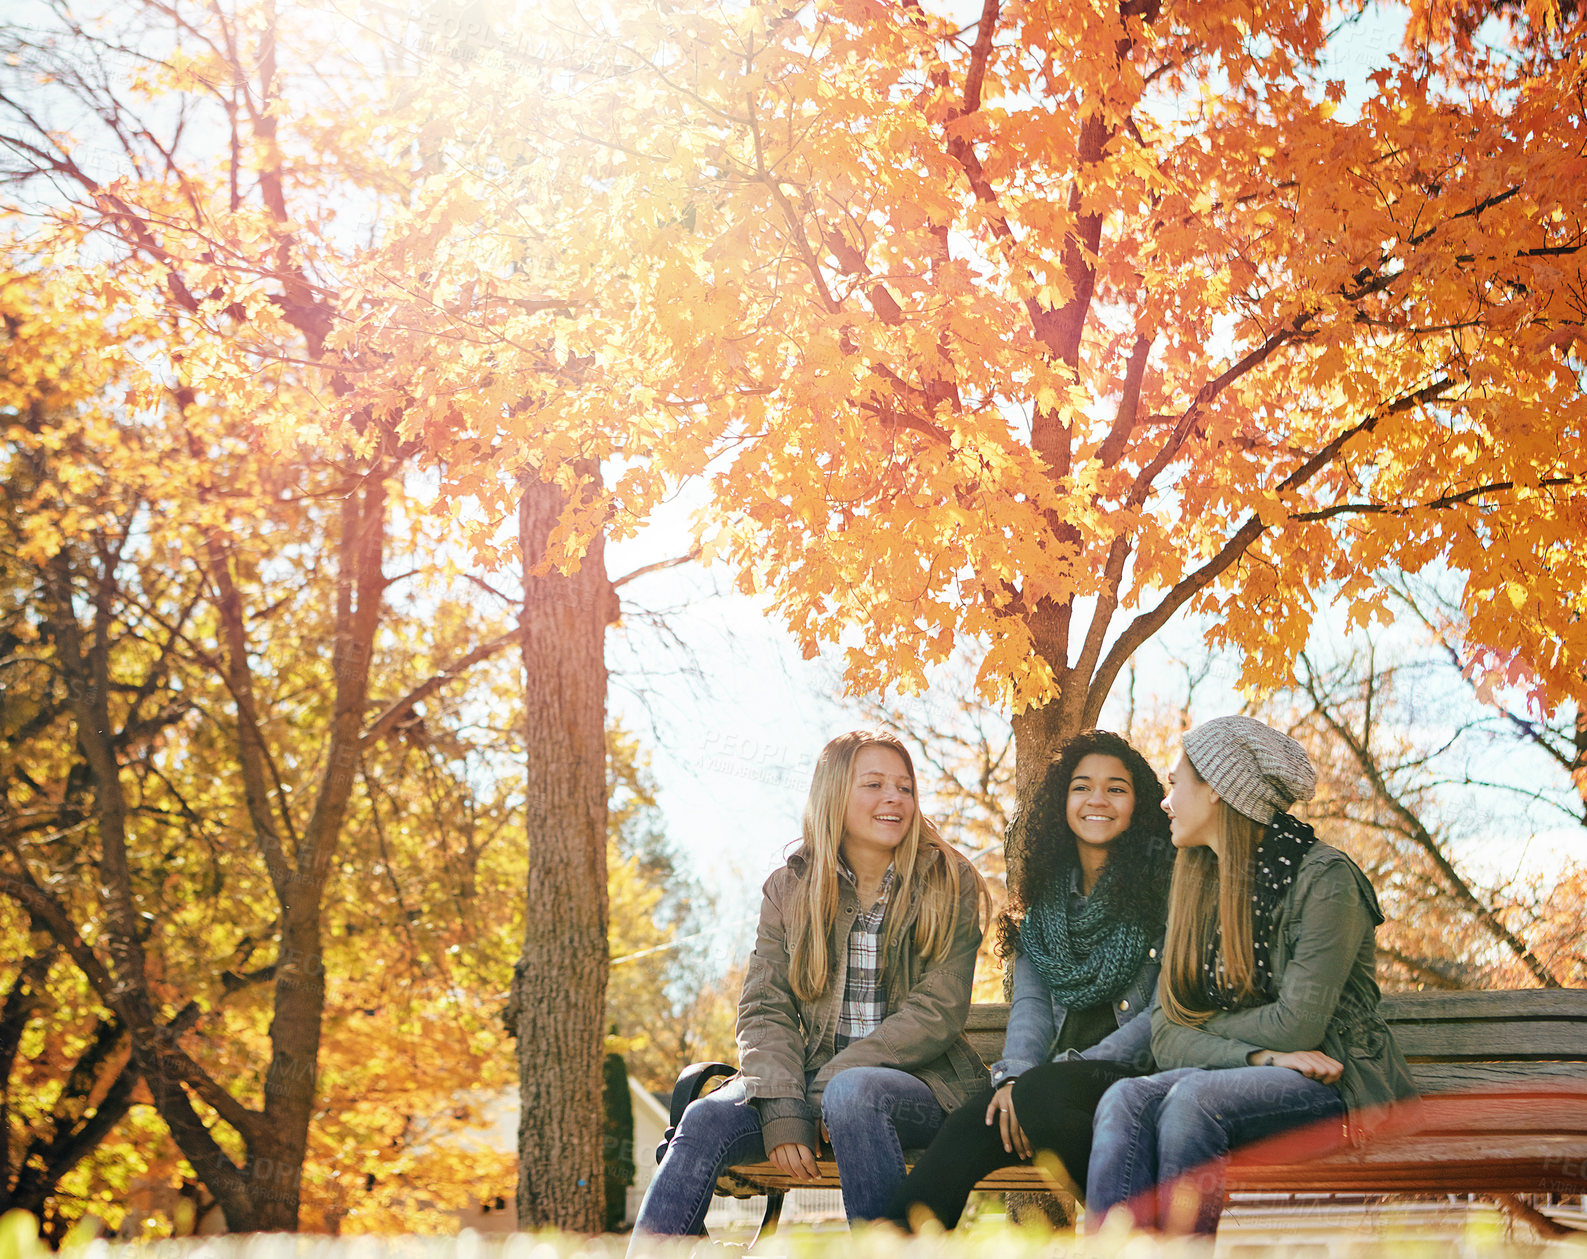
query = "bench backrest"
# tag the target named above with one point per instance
(1453, 1040)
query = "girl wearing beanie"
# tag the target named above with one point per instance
(1267, 1017)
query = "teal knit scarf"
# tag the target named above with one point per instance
(1085, 958)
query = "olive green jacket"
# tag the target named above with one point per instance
(782, 1039)
(1324, 968)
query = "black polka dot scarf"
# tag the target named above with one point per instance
(1278, 858)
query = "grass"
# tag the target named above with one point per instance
(1481, 1238)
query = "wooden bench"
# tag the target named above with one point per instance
(1504, 1111)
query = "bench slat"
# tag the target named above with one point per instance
(1510, 1040)
(1486, 1163)
(1569, 1004)
(1522, 1026)
(1458, 1077)
(1443, 1149)
(1424, 1044)
(1525, 1003)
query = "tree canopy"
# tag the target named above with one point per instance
(1039, 326)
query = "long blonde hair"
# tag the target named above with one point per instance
(815, 906)
(1211, 893)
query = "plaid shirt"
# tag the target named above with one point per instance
(864, 1004)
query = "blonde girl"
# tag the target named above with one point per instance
(850, 1025)
(1267, 1017)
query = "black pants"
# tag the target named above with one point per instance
(1054, 1103)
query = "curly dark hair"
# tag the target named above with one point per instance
(1134, 883)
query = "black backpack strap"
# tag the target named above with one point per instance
(691, 1083)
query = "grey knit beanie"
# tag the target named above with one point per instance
(1258, 770)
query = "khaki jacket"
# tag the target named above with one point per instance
(782, 1040)
(1324, 967)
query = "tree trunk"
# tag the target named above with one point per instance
(274, 1168)
(275, 1156)
(1040, 732)
(559, 985)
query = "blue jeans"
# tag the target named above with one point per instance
(1161, 1141)
(716, 1131)
(870, 1112)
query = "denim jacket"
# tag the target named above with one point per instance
(1036, 1020)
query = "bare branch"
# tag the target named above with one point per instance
(252, 751)
(1442, 503)
(1144, 626)
(1418, 833)
(659, 566)
(397, 712)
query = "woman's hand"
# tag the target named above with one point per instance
(1312, 1063)
(1001, 1112)
(794, 1160)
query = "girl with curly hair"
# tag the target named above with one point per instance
(1083, 930)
